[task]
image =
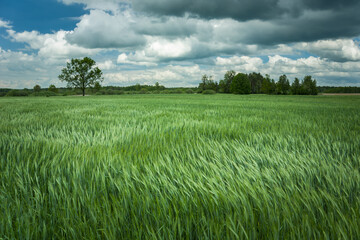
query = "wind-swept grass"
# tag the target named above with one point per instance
(180, 167)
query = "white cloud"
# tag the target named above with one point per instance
(53, 46)
(19, 70)
(327, 72)
(173, 50)
(170, 76)
(138, 58)
(57, 47)
(8, 55)
(100, 29)
(5, 24)
(337, 50)
(249, 64)
(107, 65)
(34, 39)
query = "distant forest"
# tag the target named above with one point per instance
(240, 83)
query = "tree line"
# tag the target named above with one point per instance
(82, 74)
(255, 83)
(331, 89)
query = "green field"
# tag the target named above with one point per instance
(180, 167)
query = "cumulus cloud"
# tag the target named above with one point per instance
(170, 75)
(6, 56)
(50, 45)
(175, 42)
(5, 24)
(107, 65)
(138, 58)
(339, 50)
(270, 21)
(325, 71)
(100, 29)
(264, 22)
(242, 10)
(19, 70)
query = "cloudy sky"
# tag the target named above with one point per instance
(175, 42)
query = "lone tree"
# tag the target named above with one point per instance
(81, 73)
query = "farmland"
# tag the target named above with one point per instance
(180, 167)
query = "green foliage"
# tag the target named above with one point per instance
(296, 87)
(209, 92)
(189, 91)
(225, 84)
(327, 89)
(81, 73)
(37, 88)
(110, 92)
(17, 93)
(240, 84)
(172, 91)
(143, 91)
(97, 86)
(52, 88)
(256, 81)
(268, 85)
(308, 86)
(283, 85)
(207, 83)
(180, 167)
(177, 91)
(44, 94)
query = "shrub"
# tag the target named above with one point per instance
(44, 94)
(17, 93)
(143, 91)
(189, 91)
(52, 88)
(176, 91)
(209, 92)
(110, 92)
(165, 92)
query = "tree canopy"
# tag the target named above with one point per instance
(81, 73)
(37, 88)
(256, 83)
(240, 84)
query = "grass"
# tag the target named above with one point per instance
(180, 167)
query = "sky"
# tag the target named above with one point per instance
(175, 42)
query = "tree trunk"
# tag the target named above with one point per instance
(83, 88)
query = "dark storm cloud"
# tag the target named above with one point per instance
(169, 27)
(309, 27)
(241, 10)
(285, 21)
(328, 4)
